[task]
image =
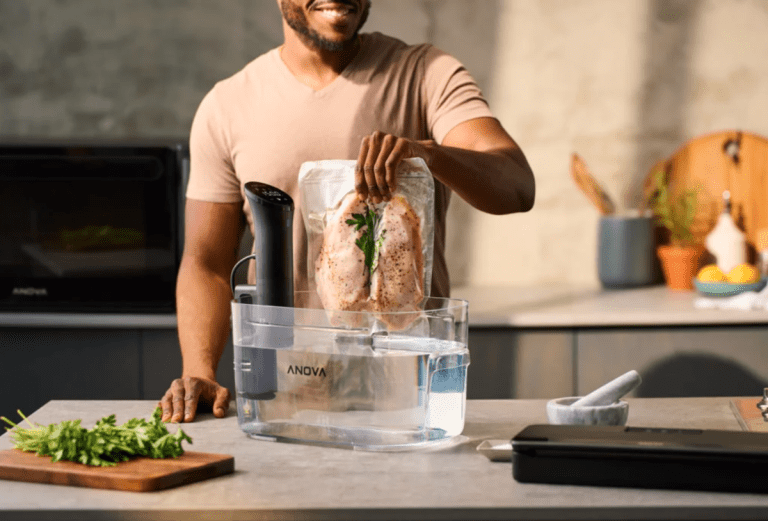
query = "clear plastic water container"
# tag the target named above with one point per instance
(392, 381)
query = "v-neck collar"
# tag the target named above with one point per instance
(340, 79)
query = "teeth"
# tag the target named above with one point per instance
(334, 13)
(334, 10)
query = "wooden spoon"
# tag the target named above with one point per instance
(589, 185)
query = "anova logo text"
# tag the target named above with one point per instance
(30, 292)
(306, 370)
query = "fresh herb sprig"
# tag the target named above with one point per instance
(676, 214)
(368, 242)
(104, 445)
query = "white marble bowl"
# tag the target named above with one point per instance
(560, 412)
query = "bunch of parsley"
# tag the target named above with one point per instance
(367, 242)
(104, 445)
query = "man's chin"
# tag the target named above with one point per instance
(330, 44)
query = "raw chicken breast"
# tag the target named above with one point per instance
(397, 284)
(340, 273)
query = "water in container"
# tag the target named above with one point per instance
(357, 386)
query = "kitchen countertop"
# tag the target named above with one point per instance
(89, 320)
(564, 306)
(539, 306)
(294, 481)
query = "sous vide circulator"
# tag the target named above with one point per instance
(272, 210)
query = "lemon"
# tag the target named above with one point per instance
(744, 274)
(711, 273)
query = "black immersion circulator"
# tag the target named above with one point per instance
(272, 211)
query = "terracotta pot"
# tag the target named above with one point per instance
(680, 265)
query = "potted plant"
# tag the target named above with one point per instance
(680, 258)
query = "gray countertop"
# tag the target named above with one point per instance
(535, 306)
(547, 306)
(294, 481)
(89, 320)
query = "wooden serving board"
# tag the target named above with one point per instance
(749, 415)
(137, 475)
(706, 164)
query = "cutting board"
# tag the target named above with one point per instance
(748, 415)
(733, 160)
(137, 475)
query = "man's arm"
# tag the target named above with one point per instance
(477, 159)
(203, 295)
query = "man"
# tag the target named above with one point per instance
(328, 92)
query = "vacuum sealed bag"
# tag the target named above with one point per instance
(365, 257)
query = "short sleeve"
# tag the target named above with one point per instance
(211, 173)
(452, 94)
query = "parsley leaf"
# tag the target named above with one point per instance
(368, 242)
(104, 445)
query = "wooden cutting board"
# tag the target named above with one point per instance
(137, 475)
(733, 160)
(748, 415)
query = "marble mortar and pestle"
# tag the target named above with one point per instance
(603, 406)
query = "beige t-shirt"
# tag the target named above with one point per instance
(262, 123)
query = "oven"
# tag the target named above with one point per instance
(91, 227)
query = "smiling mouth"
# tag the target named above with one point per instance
(334, 11)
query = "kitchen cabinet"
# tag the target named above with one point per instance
(93, 362)
(673, 361)
(37, 366)
(560, 341)
(682, 361)
(512, 363)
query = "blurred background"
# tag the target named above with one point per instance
(622, 83)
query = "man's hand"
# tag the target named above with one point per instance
(380, 154)
(181, 399)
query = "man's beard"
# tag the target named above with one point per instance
(297, 20)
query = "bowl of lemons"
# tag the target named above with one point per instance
(713, 282)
